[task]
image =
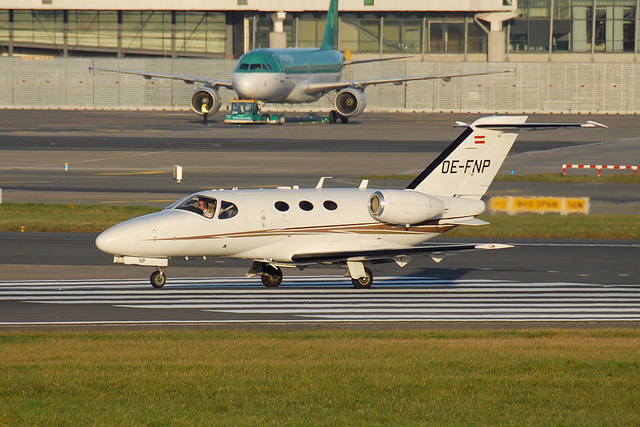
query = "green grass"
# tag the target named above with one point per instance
(97, 218)
(69, 218)
(618, 178)
(554, 226)
(356, 378)
(628, 178)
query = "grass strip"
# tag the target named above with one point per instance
(616, 178)
(65, 218)
(320, 377)
(97, 218)
(554, 226)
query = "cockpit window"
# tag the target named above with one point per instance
(205, 206)
(227, 210)
(255, 67)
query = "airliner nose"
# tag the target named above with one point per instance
(246, 85)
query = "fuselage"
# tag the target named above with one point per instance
(273, 224)
(282, 75)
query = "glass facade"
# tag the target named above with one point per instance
(579, 26)
(542, 26)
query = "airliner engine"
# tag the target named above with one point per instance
(350, 102)
(404, 207)
(208, 94)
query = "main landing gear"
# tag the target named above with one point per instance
(363, 282)
(334, 116)
(271, 276)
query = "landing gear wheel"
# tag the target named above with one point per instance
(158, 279)
(333, 116)
(344, 119)
(363, 282)
(271, 276)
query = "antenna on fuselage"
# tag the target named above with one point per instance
(321, 182)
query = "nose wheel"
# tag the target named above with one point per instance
(158, 279)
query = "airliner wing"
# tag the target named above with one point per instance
(362, 61)
(187, 79)
(328, 87)
(386, 255)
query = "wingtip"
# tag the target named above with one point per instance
(592, 124)
(493, 246)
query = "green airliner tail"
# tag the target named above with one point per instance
(330, 41)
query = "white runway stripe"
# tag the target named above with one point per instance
(332, 299)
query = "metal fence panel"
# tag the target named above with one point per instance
(533, 88)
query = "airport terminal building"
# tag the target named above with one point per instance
(569, 55)
(433, 30)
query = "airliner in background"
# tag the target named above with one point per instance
(352, 228)
(294, 76)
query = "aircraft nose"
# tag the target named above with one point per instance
(250, 85)
(113, 240)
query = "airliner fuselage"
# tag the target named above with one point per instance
(283, 75)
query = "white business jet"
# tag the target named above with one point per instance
(294, 76)
(352, 228)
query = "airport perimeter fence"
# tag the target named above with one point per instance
(59, 83)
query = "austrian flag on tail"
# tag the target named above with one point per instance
(479, 139)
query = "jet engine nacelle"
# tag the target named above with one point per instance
(208, 94)
(404, 207)
(350, 102)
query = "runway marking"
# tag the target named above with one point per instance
(131, 173)
(323, 299)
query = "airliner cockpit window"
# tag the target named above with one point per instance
(227, 210)
(205, 206)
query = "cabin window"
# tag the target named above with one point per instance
(282, 206)
(330, 205)
(201, 205)
(227, 210)
(306, 205)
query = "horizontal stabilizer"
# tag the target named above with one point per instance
(532, 126)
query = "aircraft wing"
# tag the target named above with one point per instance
(328, 87)
(362, 61)
(386, 255)
(187, 79)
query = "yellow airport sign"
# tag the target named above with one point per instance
(541, 205)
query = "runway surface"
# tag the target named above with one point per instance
(127, 157)
(63, 280)
(312, 299)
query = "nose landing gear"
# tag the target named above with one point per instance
(158, 279)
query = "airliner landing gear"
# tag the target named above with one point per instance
(158, 279)
(363, 282)
(334, 116)
(271, 276)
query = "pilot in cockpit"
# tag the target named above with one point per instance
(207, 206)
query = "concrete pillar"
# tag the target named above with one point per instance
(496, 37)
(278, 38)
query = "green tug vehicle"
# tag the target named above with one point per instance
(247, 111)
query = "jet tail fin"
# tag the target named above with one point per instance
(468, 166)
(330, 41)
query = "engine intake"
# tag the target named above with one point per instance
(350, 102)
(404, 207)
(210, 95)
